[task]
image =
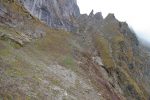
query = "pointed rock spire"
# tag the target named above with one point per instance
(110, 16)
(98, 16)
(91, 13)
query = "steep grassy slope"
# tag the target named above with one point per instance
(40, 63)
(38, 67)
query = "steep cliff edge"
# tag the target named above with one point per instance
(100, 60)
(55, 13)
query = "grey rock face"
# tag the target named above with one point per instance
(98, 16)
(2, 10)
(55, 13)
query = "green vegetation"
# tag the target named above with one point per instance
(102, 46)
(55, 41)
(129, 85)
(118, 38)
(55, 82)
(4, 52)
(26, 64)
(124, 56)
(69, 61)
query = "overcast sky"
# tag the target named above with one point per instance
(135, 12)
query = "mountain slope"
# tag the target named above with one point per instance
(101, 59)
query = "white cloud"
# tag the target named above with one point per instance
(135, 12)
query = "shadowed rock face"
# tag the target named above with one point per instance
(55, 13)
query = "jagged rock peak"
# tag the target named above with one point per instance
(110, 16)
(91, 13)
(98, 16)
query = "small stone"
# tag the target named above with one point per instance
(98, 60)
(65, 93)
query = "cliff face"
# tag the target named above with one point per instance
(101, 59)
(120, 51)
(55, 13)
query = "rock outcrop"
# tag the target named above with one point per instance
(55, 13)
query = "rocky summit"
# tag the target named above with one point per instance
(49, 51)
